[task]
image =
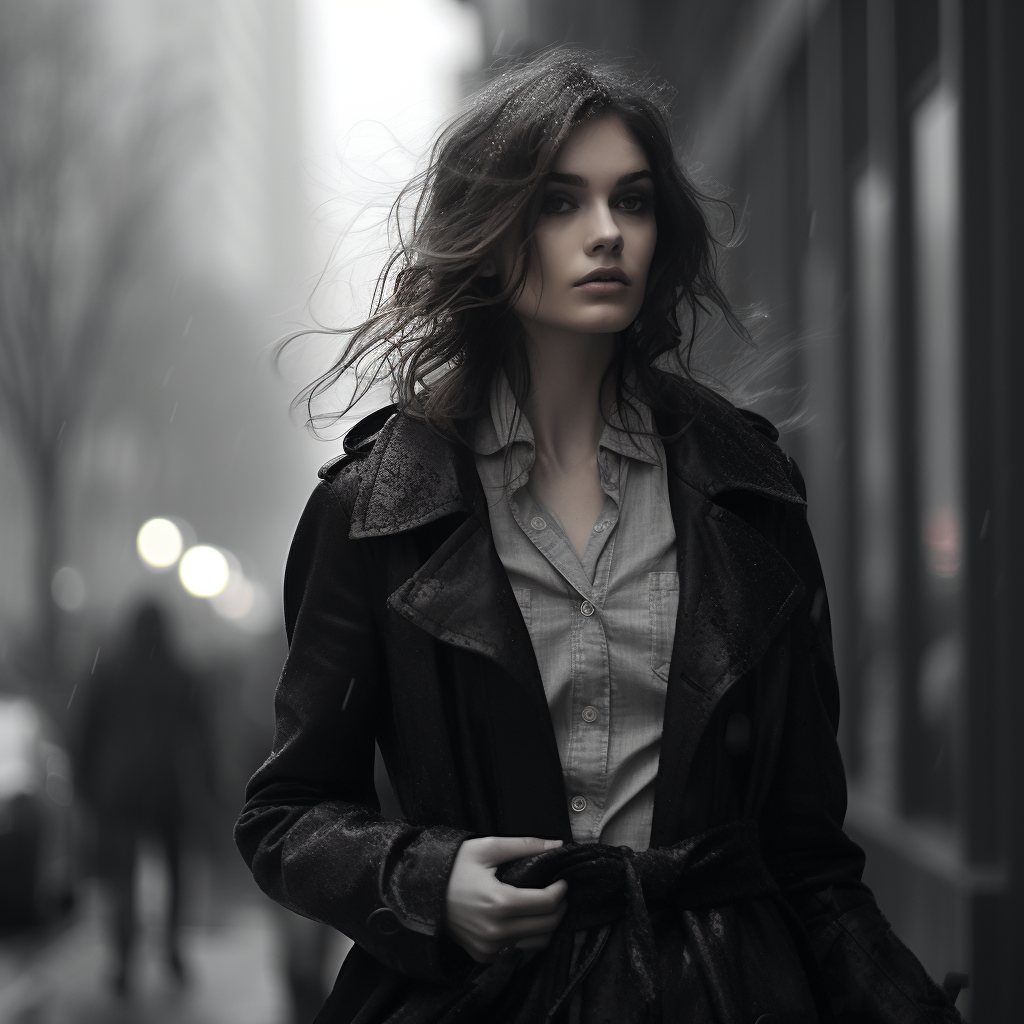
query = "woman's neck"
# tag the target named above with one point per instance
(565, 406)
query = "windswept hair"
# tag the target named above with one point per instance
(439, 331)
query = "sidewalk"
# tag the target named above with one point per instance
(231, 953)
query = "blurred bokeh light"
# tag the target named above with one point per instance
(159, 543)
(203, 571)
(68, 588)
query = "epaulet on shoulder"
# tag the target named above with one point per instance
(358, 441)
(766, 427)
(760, 424)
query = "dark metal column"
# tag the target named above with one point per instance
(1004, 39)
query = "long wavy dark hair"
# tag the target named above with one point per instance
(439, 330)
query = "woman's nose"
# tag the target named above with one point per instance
(604, 234)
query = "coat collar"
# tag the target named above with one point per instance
(412, 476)
(714, 448)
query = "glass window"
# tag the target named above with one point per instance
(934, 169)
(876, 491)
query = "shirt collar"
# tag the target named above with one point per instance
(506, 424)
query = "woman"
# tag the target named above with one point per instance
(573, 597)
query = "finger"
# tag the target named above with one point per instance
(494, 850)
(525, 927)
(487, 953)
(495, 933)
(516, 902)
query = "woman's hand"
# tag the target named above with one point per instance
(485, 915)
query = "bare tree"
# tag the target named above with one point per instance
(82, 163)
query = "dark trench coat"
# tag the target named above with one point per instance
(403, 629)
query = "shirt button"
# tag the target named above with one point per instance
(587, 608)
(537, 523)
(579, 803)
(600, 527)
(589, 714)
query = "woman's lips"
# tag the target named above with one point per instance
(602, 287)
(604, 281)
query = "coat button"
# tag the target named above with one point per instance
(587, 608)
(383, 922)
(589, 714)
(537, 523)
(579, 803)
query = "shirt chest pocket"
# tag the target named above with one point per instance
(663, 590)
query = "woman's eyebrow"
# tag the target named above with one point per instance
(628, 179)
(578, 181)
(567, 179)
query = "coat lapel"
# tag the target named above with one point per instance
(736, 591)
(461, 596)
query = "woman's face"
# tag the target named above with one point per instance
(593, 244)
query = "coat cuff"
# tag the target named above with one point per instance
(406, 927)
(871, 975)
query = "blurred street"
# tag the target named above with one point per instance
(64, 977)
(178, 174)
(230, 945)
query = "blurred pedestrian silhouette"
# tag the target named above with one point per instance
(144, 761)
(306, 949)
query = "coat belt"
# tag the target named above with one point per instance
(614, 886)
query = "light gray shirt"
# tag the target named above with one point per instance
(602, 626)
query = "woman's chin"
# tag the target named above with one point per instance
(607, 326)
(604, 324)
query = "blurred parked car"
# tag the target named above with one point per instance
(36, 831)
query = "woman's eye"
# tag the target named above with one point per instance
(633, 204)
(558, 204)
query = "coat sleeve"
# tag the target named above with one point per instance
(872, 977)
(311, 829)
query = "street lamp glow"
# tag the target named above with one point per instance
(159, 543)
(203, 571)
(237, 599)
